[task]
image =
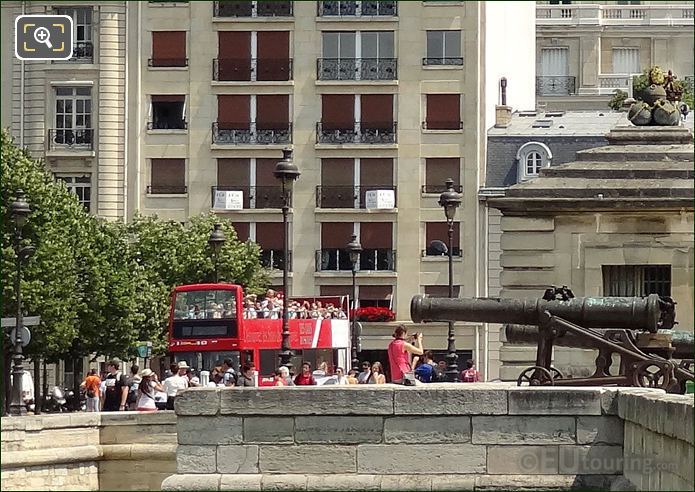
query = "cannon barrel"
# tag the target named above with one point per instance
(682, 341)
(648, 314)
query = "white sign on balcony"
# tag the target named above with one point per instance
(229, 200)
(380, 199)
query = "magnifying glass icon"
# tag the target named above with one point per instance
(43, 36)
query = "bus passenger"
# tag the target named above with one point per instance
(305, 378)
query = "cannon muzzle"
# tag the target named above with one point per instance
(648, 314)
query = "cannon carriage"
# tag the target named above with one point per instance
(637, 330)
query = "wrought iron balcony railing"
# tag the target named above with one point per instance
(555, 85)
(358, 134)
(450, 60)
(167, 62)
(426, 188)
(251, 135)
(167, 125)
(371, 259)
(166, 190)
(259, 8)
(274, 259)
(71, 138)
(357, 68)
(251, 69)
(357, 9)
(255, 197)
(83, 51)
(337, 196)
(442, 125)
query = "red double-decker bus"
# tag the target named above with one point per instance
(207, 324)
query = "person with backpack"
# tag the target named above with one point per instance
(470, 374)
(425, 371)
(133, 382)
(115, 388)
(91, 385)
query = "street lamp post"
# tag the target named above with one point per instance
(216, 241)
(286, 172)
(450, 201)
(19, 211)
(354, 248)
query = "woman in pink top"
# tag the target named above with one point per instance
(399, 353)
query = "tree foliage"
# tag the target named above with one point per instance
(101, 286)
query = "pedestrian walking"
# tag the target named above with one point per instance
(91, 385)
(115, 388)
(176, 383)
(146, 391)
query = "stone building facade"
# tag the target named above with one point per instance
(618, 221)
(585, 51)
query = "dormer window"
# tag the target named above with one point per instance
(531, 158)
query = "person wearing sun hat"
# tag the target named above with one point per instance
(176, 383)
(146, 390)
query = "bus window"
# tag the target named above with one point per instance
(205, 304)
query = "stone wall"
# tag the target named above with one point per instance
(456, 437)
(88, 451)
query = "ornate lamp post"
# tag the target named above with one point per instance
(19, 211)
(450, 201)
(287, 173)
(216, 241)
(354, 248)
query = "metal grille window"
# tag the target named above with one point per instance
(636, 280)
(82, 32)
(73, 115)
(80, 186)
(443, 48)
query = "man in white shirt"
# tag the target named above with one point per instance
(174, 384)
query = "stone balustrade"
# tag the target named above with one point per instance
(433, 437)
(88, 451)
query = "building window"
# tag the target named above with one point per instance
(377, 246)
(375, 296)
(533, 163)
(636, 280)
(234, 60)
(239, 174)
(437, 239)
(441, 290)
(269, 236)
(443, 48)
(168, 49)
(73, 116)
(168, 176)
(80, 185)
(438, 170)
(83, 48)
(532, 157)
(443, 112)
(342, 60)
(168, 112)
(626, 61)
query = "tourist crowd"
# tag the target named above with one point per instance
(271, 305)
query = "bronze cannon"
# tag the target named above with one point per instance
(625, 326)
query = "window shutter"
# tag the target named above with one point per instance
(376, 235)
(169, 48)
(375, 292)
(234, 55)
(272, 112)
(270, 235)
(233, 172)
(338, 172)
(438, 170)
(273, 48)
(443, 112)
(376, 172)
(336, 234)
(336, 290)
(233, 112)
(337, 111)
(168, 173)
(440, 231)
(376, 111)
(242, 230)
(167, 98)
(265, 169)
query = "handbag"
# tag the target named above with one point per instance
(409, 379)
